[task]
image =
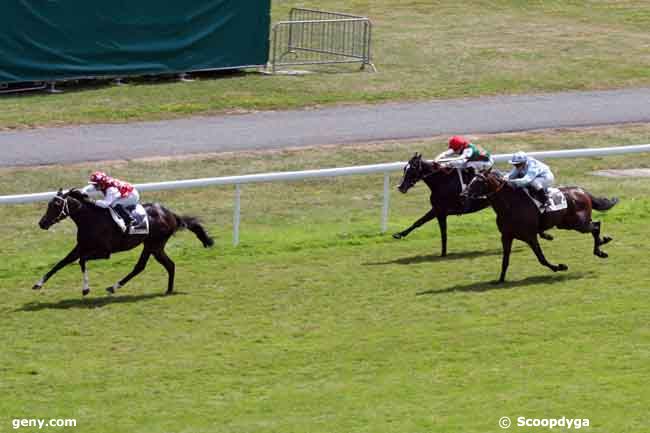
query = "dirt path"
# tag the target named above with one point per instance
(347, 124)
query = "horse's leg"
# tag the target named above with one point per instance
(442, 222)
(545, 236)
(86, 288)
(506, 242)
(593, 227)
(595, 232)
(164, 260)
(534, 245)
(71, 257)
(139, 267)
(542, 229)
(425, 219)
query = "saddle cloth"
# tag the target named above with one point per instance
(139, 215)
(556, 201)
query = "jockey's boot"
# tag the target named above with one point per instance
(126, 216)
(540, 195)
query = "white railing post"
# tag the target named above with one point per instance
(236, 216)
(384, 210)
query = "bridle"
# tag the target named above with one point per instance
(433, 170)
(419, 176)
(65, 210)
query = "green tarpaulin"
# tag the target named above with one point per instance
(47, 40)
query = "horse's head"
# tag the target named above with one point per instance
(60, 207)
(484, 185)
(414, 171)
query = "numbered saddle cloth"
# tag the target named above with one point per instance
(140, 224)
(140, 218)
(555, 201)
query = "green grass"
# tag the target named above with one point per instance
(317, 322)
(423, 50)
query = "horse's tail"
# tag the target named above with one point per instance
(602, 203)
(193, 224)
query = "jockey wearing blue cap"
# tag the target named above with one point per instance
(531, 173)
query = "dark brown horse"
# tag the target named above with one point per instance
(445, 198)
(519, 218)
(98, 236)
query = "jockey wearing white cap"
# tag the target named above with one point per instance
(531, 173)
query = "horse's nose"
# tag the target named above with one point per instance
(42, 225)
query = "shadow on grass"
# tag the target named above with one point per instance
(438, 258)
(493, 285)
(66, 304)
(88, 84)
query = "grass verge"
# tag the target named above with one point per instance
(319, 323)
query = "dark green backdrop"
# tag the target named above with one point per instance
(42, 40)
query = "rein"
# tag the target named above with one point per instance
(490, 194)
(442, 169)
(499, 188)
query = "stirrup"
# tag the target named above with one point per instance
(463, 187)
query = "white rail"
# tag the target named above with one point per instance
(329, 172)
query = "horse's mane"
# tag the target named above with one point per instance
(495, 173)
(437, 168)
(78, 195)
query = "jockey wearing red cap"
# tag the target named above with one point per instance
(462, 153)
(117, 194)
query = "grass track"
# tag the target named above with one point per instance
(317, 323)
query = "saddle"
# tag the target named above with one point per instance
(140, 225)
(556, 201)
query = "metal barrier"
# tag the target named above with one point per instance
(313, 37)
(286, 176)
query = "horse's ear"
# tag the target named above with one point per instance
(59, 192)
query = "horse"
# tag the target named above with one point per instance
(98, 236)
(445, 198)
(519, 218)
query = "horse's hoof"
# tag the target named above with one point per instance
(562, 267)
(602, 254)
(110, 290)
(169, 292)
(84, 292)
(605, 240)
(397, 235)
(36, 287)
(546, 236)
(497, 282)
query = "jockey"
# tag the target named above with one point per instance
(462, 153)
(531, 173)
(117, 195)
